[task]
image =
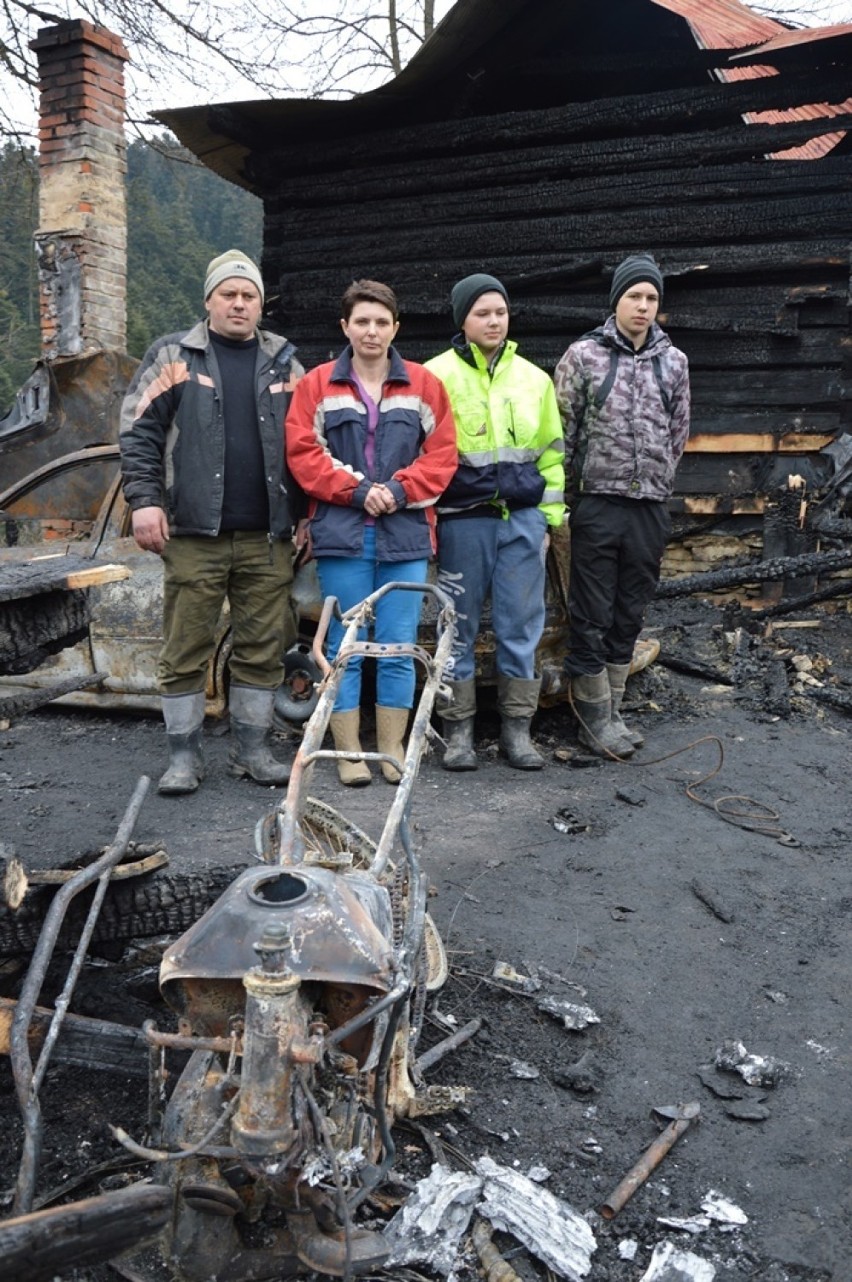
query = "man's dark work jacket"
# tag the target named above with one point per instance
(173, 431)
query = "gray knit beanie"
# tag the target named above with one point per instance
(232, 263)
(632, 271)
(466, 292)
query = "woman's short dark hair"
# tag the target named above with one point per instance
(369, 291)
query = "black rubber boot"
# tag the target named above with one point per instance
(592, 701)
(618, 673)
(250, 756)
(516, 745)
(460, 754)
(517, 702)
(186, 768)
(184, 716)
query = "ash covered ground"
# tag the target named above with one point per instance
(684, 921)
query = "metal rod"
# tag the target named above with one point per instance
(649, 1161)
(27, 1081)
(434, 1053)
(365, 1016)
(311, 750)
(186, 1042)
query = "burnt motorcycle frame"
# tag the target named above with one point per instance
(300, 997)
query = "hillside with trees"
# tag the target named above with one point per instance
(179, 216)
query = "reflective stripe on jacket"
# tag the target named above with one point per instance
(511, 450)
(173, 431)
(625, 429)
(415, 455)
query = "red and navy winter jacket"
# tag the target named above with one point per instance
(415, 455)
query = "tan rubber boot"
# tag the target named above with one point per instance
(391, 725)
(345, 731)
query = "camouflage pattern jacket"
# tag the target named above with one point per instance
(626, 413)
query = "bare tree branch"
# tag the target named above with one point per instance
(196, 51)
(215, 50)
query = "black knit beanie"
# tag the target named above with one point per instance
(632, 271)
(466, 292)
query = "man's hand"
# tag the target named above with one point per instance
(379, 501)
(150, 529)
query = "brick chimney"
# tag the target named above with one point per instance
(81, 243)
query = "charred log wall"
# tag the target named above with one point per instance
(755, 252)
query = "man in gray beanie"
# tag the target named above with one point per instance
(204, 473)
(623, 390)
(495, 516)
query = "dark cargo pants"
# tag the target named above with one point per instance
(617, 545)
(255, 574)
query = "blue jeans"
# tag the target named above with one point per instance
(351, 579)
(482, 555)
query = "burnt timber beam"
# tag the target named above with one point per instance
(49, 573)
(756, 443)
(642, 114)
(87, 1042)
(41, 1245)
(17, 705)
(573, 172)
(720, 221)
(548, 269)
(782, 567)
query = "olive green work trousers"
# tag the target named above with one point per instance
(254, 574)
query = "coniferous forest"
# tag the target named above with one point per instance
(179, 216)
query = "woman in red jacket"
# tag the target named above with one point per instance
(371, 440)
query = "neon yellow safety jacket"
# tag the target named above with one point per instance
(511, 447)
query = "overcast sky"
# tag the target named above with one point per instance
(225, 87)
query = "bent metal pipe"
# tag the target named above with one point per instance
(649, 1160)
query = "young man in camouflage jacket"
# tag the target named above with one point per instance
(623, 391)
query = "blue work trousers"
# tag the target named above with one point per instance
(351, 579)
(503, 557)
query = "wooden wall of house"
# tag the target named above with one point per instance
(755, 253)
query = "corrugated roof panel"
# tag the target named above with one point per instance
(723, 24)
(728, 24)
(790, 39)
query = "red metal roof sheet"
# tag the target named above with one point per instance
(728, 24)
(789, 39)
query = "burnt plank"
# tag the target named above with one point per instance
(678, 111)
(43, 1244)
(741, 474)
(87, 1042)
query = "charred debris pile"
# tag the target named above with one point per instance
(773, 628)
